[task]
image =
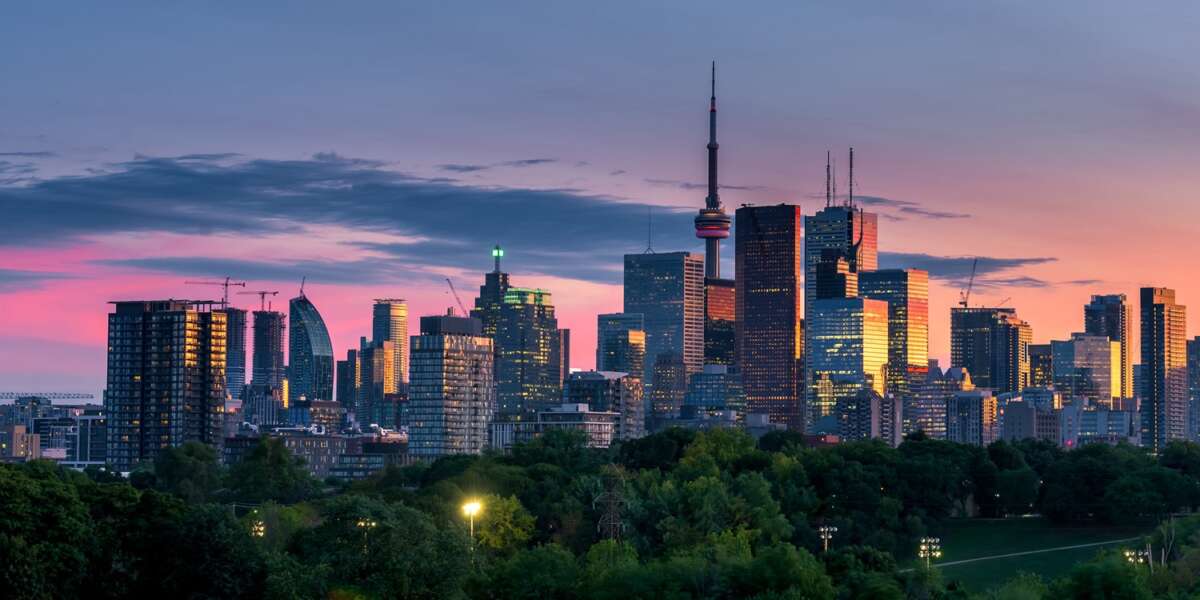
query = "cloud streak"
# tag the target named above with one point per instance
(12, 280)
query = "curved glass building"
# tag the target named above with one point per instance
(310, 355)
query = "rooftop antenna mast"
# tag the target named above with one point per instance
(649, 230)
(850, 196)
(302, 280)
(828, 181)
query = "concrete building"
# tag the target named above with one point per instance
(452, 392)
(1024, 420)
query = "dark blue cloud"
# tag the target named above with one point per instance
(990, 272)
(559, 232)
(336, 272)
(904, 208)
(35, 154)
(12, 280)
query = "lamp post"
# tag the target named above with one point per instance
(826, 532)
(471, 509)
(929, 549)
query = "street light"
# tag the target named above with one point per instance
(930, 549)
(1141, 557)
(471, 509)
(258, 528)
(826, 532)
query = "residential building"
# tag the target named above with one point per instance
(310, 354)
(1111, 316)
(972, 417)
(993, 345)
(609, 392)
(452, 393)
(1082, 368)
(1164, 358)
(389, 323)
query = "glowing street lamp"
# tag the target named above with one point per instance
(929, 549)
(470, 509)
(826, 532)
(258, 528)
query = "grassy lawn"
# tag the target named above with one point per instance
(971, 538)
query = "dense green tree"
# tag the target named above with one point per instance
(503, 526)
(191, 471)
(269, 473)
(1109, 577)
(544, 572)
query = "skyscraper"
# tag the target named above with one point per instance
(621, 343)
(347, 380)
(267, 366)
(925, 409)
(491, 295)
(1111, 316)
(907, 293)
(771, 339)
(1164, 356)
(310, 354)
(563, 354)
(667, 289)
(992, 344)
(847, 351)
(389, 323)
(452, 395)
(166, 378)
(528, 372)
(1082, 368)
(376, 381)
(235, 351)
(1041, 366)
(849, 232)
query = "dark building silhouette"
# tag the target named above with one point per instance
(992, 344)
(267, 365)
(235, 351)
(769, 260)
(621, 344)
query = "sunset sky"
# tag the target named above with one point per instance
(377, 148)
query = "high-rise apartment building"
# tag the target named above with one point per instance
(452, 394)
(1193, 371)
(847, 351)
(528, 371)
(1111, 316)
(768, 253)
(235, 351)
(166, 378)
(267, 361)
(1164, 358)
(667, 289)
(1082, 368)
(907, 293)
(310, 354)
(992, 344)
(621, 343)
(1041, 365)
(389, 323)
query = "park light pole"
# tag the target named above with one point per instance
(929, 549)
(470, 509)
(1141, 557)
(826, 532)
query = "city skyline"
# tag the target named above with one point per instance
(97, 216)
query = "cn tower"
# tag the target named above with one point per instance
(712, 224)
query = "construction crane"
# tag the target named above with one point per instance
(228, 283)
(1003, 302)
(262, 297)
(456, 298)
(965, 295)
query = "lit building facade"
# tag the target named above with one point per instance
(452, 393)
(1082, 368)
(925, 408)
(720, 322)
(1111, 316)
(528, 377)
(847, 351)
(310, 354)
(1164, 406)
(667, 289)
(377, 382)
(972, 418)
(389, 323)
(768, 252)
(1041, 365)
(907, 293)
(621, 343)
(608, 392)
(166, 378)
(992, 344)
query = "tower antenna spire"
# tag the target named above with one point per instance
(712, 224)
(649, 230)
(850, 196)
(828, 181)
(497, 254)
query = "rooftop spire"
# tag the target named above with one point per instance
(497, 254)
(713, 200)
(850, 196)
(828, 181)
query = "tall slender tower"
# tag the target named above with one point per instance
(712, 224)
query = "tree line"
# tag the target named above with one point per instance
(710, 514)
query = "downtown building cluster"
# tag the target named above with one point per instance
(810, 335)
